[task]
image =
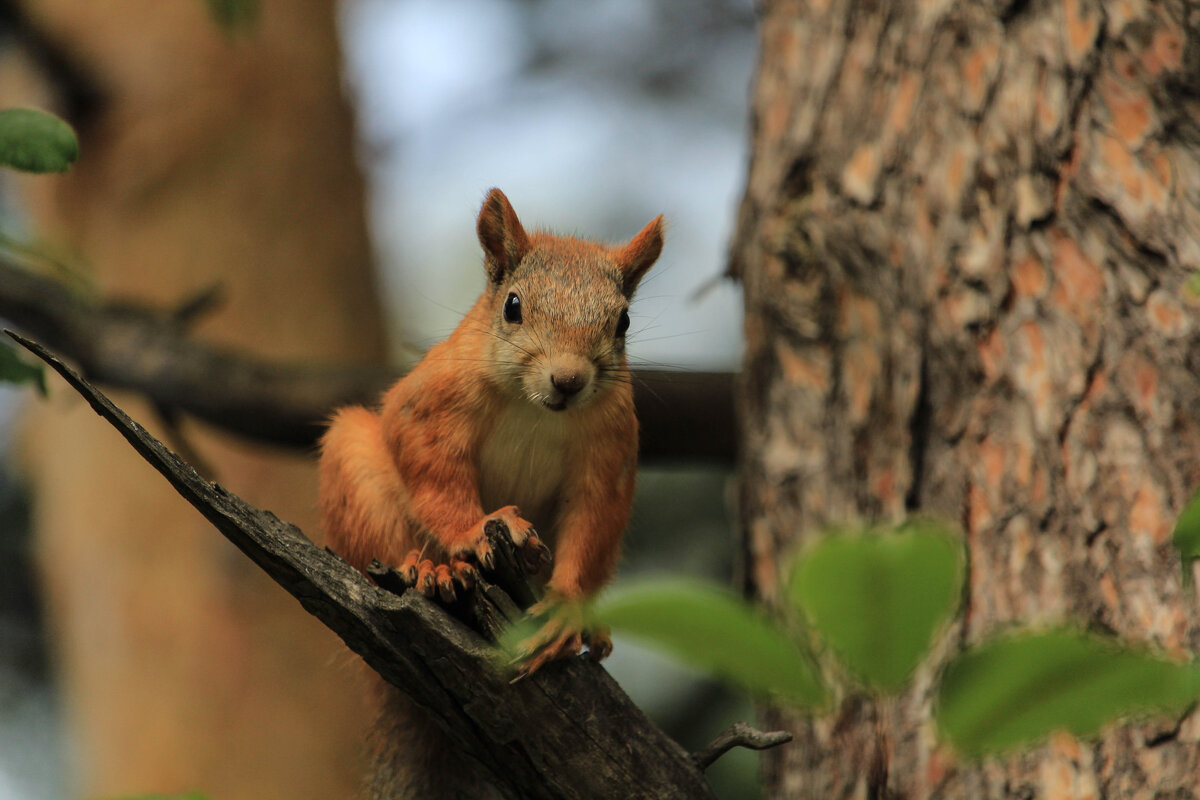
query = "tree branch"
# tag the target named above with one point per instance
(566, 732)
(683, 415)
(739, 735)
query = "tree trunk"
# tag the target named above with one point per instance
(965, 241)
(207, 158)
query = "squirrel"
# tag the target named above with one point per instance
(524, 414)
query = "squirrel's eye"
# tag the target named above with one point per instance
(512, 308)
(622, 324)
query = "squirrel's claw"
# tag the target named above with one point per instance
(547, 645)
(408, 568)
(445, 583)
(427, 578)
(463, 573)
(483, 552)
(437, 580)
(475, 547)
(599, 642)
(564, 634)
(534, 553)
(419, 573)
(531, 550)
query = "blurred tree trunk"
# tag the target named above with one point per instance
(207, 158)
(965, 241)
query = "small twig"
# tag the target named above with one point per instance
(192, 308)
(739, 735)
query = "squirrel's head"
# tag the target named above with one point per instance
(559, 306)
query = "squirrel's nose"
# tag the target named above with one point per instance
(568, 382)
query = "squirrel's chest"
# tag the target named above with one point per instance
(522, 462)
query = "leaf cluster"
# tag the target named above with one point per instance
(866, 607)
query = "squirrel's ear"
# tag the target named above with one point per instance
(641, 252)
(504, 241)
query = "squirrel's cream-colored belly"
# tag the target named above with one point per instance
(523, 463)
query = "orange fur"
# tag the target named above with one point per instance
(483, 417)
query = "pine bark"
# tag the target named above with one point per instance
(965, 242)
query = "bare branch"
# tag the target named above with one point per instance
(130, 347)
(683, 415)
(739, 735)
(567, 732)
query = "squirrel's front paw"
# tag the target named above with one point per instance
(566, 631)
(531, 550)
(434, 580)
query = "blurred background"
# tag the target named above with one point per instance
(593, 118)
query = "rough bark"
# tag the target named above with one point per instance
(206, 158)
(964, 243)
(566, 732)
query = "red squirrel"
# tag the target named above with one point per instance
(525, 414)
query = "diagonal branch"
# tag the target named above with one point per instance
(684, 415)
(567, 732)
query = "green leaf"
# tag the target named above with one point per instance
(715, 631)
(14, 370)
(233, 15)
(36, 141)
(877, 599)
(1187, 533)
(1016, 690)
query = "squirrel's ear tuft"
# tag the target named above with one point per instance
(504, 241)
(641, 252)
